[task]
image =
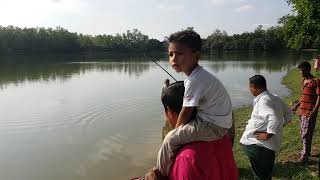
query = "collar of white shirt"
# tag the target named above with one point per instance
(256, 99)
(195, 70)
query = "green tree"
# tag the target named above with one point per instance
(303, 26)
(217, 40)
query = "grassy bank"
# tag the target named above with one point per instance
(286, 166)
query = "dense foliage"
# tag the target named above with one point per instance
(299, 30)
(303, 27)
(270, 39)
(14, 39)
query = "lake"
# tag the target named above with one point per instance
(100, 117)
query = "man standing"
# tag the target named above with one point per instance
(263, 133)
(308, 111)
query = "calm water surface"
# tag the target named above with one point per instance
(75, 117)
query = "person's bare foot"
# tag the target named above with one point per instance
(303, 160)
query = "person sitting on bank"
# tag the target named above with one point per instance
(196, 160)
(204, 93)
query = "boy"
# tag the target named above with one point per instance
(262, 136)
(204, 93)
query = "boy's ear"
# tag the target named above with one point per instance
(170, 112)
(197, 55)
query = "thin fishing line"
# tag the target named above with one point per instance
(162, 68)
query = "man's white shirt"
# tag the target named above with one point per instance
(269, 115)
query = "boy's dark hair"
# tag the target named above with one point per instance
(259, 81)
(188, 37)
(172, 97)
(305, 65)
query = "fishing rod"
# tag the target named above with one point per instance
(160, 67)
(164, 70)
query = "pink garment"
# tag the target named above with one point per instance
(205, 161)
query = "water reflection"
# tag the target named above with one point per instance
(101, 117)
(20, 72)
(19, 69)
(263, 61)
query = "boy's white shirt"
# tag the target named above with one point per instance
(269, 115)
(204, 91)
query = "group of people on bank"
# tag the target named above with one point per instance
(199, 110)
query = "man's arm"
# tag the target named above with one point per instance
(295, 107)
(184, 116)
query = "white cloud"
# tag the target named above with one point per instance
(37, 12)
(217, 2)
(226, 2)
(68, 6)
(244, 8)
(171, 8)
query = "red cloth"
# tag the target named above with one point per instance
(205, 161)
(309, 94)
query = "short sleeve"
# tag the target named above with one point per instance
(193, 93)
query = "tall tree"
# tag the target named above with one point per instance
(303, 26)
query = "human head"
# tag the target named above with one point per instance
(257, 84)
(184, 50)
(172, 99)
(305, 68)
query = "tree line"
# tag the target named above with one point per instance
(49, 40)
(296, 31)
(299, 30)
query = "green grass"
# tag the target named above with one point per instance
(286, 165)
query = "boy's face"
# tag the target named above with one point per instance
(171, 117)
(253, 89)
(182, 58)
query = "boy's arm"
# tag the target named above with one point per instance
(184, 116)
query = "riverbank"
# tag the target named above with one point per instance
(286, 165)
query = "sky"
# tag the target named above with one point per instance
(155, 18)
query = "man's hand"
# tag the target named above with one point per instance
(295, 107)
(313, 112)
(154, 174)
(263, 136)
